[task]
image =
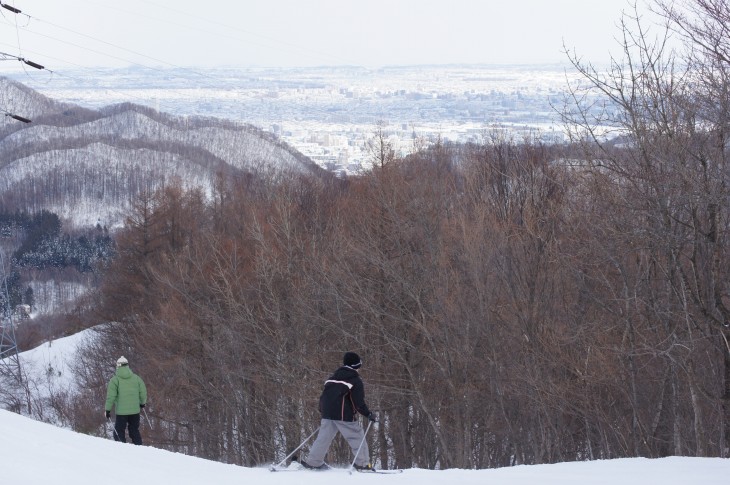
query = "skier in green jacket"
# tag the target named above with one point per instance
(127, 392)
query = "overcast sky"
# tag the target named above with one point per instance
(283, 33)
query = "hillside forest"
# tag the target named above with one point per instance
(513, 302)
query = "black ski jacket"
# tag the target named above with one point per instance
(343, 396)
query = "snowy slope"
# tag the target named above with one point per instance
(48, 364)
(37, 453)
(100, 190)
(88, 165)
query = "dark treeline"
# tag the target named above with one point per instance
(514, 303)
(87, 252)
(41, 245)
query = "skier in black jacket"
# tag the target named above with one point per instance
(342, 399)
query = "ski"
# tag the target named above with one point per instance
(294, 466)
(382, 472)
(280, 469)
(302, 469)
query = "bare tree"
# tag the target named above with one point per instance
(669, 110)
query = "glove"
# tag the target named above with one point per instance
(372, 417)
(141, 406)
(108, 414)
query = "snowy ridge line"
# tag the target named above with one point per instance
(69, 457)
(87, 165)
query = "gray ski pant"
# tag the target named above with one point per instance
(351, 431)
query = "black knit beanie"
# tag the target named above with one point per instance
(352, 360)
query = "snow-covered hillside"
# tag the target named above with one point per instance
(88, 165)
(38, 453)
(100, 178)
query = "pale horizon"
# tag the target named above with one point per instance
(307, 33)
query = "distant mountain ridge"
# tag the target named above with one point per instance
(87, 165)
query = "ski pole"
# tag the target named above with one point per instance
(114, 430)
(149, 423)
(295, 450)
(352, 465)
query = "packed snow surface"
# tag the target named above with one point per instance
(38, 453)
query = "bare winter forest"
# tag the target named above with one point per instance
(513, 302)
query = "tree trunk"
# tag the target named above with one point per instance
(725, 428)
(701, 442)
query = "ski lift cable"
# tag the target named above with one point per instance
(17, 11)
(216, 33)
(14, 116)
(5, 56)
(112, 56)
(22, 119)
(288, 45)
(12, 9)
(209, 81)
(9, 7)
(129, 61)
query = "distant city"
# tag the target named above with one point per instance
(331, 113)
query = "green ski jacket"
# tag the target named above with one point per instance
(127, 391)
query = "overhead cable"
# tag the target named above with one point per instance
(10, 7)
(4, 56)
(16, 117)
